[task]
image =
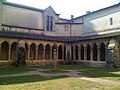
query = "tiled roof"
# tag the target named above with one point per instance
(116, 5)
(11, 34)
(22, 6)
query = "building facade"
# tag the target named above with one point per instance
(92, 39)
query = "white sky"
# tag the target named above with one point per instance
(68, 7)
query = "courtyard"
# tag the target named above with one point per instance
(66, 77)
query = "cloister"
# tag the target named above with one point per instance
(37, 51)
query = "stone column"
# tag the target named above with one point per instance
(105, 53)
(43, 53)
(91, 53)
(74, 53)
(57, 53)
(9, 57)
(63, 55)
(85, 53)
(28, 53)
(36, 54)
(98, 53)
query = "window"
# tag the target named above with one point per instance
(111, 21)
(66, 28)
(49, 23)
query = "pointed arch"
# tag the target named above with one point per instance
(32, 51)
(14, 51)
(47, 52)
(88, 52)
(60, 51)
(82, 52)
(95, 52)
(102, 52)
(40, 51)
(76, 52)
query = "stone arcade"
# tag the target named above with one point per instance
(92, 39)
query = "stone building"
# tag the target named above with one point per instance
(92, 39)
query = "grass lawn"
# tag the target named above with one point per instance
(35, 82)
(68, 67)
(111, 74)
(14, 70)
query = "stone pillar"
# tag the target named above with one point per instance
(91, 53)
(9, 57)
(55, 58)
(74, 53)
(105, 53)
(50, 53)
(79, 53)
(63, 55)
(36, 54)
(43, 53)
(28, 53)
(57, 53)
(98, 53)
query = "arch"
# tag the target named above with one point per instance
(95, 53)
(40, 51)
(76, 52)
(64, 52)
(60, 52)
(72, 52)
(32, 51)
(47, 51)
(53, 47)
(26, 48)
(13, 51)
(102, 52)
(88, 52)
(4, 51)
(82, 52)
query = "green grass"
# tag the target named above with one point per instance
(69, 67)
(14, 70)
(111, 74)
(35, 82)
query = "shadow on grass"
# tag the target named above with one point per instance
(14, 70)
(102, 73)
(27, 79)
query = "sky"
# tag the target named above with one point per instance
(66, 8)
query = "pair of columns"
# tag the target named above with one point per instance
(36, 53)
(85, 53)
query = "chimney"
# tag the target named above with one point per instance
(88, 12)
(72, 17)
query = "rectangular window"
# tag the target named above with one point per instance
(49, 23)
(111, 21)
